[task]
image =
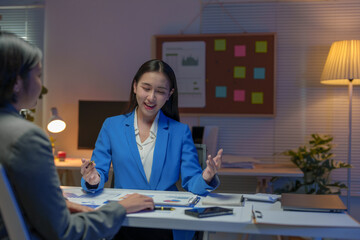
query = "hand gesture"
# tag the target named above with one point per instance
(88, 172)
(213, 165)
(137, 202)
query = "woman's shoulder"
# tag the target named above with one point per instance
(118, 119)
(173, 124)
(15, 127)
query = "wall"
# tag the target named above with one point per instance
(94, 48)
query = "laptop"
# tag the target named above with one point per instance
(312, 202)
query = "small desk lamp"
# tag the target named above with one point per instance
(342, 67)
(56, 124)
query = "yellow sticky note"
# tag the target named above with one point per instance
(220, 44)
(257, 97)
(261, 46)
(239, 72)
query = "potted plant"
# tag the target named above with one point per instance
(316, 161)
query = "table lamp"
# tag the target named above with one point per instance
(342, 67)
(56, 124)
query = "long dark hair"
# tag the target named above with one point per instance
(17, 58)
(170, 108)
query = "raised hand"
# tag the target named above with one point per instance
(213, 165)
(88, 172)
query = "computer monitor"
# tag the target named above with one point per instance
(92, 115)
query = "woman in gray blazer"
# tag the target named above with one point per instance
(25, 153)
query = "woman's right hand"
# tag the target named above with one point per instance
(137, 202)
(89, 173)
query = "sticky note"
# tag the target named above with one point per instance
(261, 46)
(239, 95)
(239, 72)
(220, 92)
(220, 44)
(259, 73)
(257, 98)
(239, 51)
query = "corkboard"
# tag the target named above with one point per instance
(239, 73)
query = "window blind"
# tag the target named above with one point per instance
(26, 20)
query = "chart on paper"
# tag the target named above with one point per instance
(187, 59)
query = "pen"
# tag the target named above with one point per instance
(164, 208)
(253, 214)
(90, 163)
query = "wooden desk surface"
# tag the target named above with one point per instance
(69, 163)
(264, 170)
(259, 170)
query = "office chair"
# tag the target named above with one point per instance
(10, 211)
(201, 151)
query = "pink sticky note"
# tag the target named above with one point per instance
(239, 95)
(239, 51)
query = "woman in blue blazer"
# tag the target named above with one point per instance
(148, 147)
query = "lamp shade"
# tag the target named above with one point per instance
(342, 64)
(56, 124)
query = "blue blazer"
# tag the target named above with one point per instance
(174, 154)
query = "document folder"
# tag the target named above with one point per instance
(312, 202)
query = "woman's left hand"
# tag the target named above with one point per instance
(213, 165)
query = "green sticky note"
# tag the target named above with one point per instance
(257, 98)
(261, 46)
(220, 44)
(220, 92)
(239, 72)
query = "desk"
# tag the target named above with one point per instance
(264, 172)
(232, 223)
(68, 164)
(66, 170)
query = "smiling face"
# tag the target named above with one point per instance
(152, 91)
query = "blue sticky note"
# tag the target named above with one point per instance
(259, 73)
(220, 92)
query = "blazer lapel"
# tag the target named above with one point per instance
(131, 140)
(159, 151)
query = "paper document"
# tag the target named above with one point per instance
(222, 199)
(233, 161)
(96, 200)
(175, 199)
(262, 197)
(93, 200)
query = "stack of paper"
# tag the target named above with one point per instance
(262, 197)
(222, 199)
(232, 161)
(175, 199)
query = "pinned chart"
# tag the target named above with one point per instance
(239, 73)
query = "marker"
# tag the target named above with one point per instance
(164, 208)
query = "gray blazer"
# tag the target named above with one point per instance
(26, 155)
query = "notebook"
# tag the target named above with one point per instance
(312, 202)
(223, 199)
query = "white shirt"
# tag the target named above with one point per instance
(146, 149)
